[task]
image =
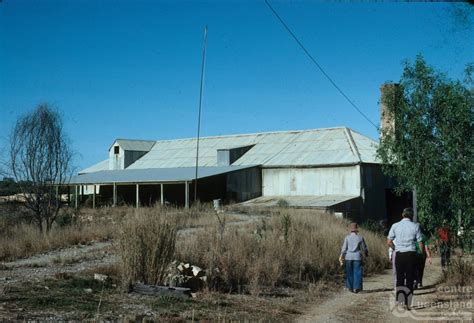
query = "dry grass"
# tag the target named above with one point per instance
(147, 245)
(293, 246)
(19, 240)
(25, 240)
(460, 272)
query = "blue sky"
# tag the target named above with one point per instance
(131, 69)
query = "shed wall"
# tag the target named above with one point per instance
(244, 185)
(312, 181)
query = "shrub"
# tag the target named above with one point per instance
(460, 272)
(147, 245)
(282, 203)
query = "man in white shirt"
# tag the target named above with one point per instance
(403, 237)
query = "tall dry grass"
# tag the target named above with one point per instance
(20, 240)
(291, 247)
(25, 240)
(147, 245)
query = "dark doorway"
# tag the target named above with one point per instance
(396, 203)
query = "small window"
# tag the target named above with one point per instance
(116, 150)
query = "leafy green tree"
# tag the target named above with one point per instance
(431, 146)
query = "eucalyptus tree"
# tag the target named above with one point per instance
(430, 145)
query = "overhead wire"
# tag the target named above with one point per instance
(321, 69)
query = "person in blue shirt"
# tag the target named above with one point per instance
(351, 252)
(403, 237)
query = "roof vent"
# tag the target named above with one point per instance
(228, 156)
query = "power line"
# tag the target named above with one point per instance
(317, 64)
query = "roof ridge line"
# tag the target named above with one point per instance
(254, 134)
(352, 143)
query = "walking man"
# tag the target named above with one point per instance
(403, 237)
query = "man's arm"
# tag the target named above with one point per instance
(391, 237)
(390, 244)
(428, 253)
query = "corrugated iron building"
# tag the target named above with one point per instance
(333, 168)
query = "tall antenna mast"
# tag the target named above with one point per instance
(203, 64)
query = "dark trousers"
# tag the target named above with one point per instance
(445, 254)
(405, 263)
(420, 268)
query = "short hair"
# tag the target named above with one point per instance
(407, 212)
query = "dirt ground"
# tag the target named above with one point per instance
(20, 279)
(376, 302)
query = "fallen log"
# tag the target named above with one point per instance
(180, 292)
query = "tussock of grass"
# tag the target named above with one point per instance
(147, 245)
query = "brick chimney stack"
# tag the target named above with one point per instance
(387, 122)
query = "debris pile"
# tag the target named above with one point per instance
(185, 275)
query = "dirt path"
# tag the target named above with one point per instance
(375, 303)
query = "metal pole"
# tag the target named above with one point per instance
(137, 190)
(203, 64)
(93, 197)
(162, 201)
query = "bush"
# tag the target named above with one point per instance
(147, 245)
(460, 272)
(282, 203)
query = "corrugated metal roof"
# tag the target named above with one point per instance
(329, 146)
(322, 201)
(152, 175)
(103, 165)
(135, 145)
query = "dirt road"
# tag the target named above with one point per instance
(376, 302)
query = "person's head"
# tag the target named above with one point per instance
(407, 213)
(353, 227)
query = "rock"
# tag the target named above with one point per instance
(88, 290)
(100, 277)
(197, 272)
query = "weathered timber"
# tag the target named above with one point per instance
(180, 292)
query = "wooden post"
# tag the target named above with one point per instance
(186, 195)
(415, 206)
(137, 199)
(58, 198)
(76, 196)
(82, 193)
(162, 194)
(115, 195)
(93, 197)
(69, 196)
